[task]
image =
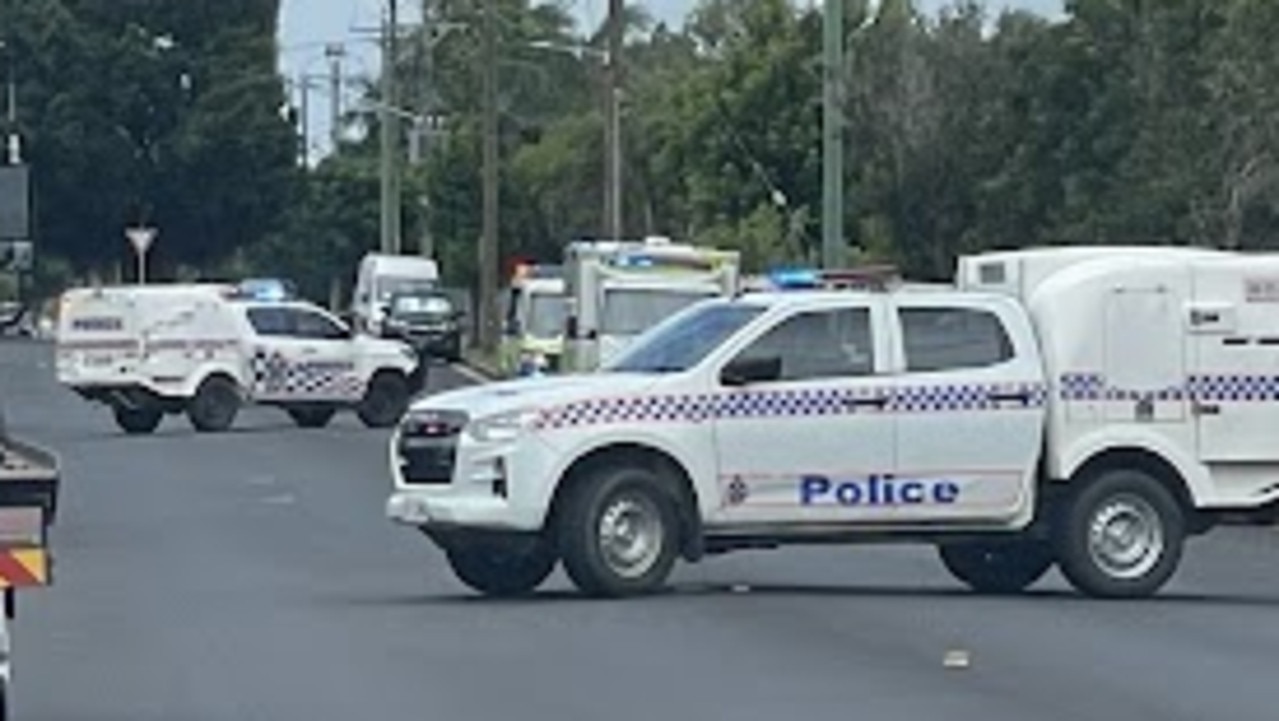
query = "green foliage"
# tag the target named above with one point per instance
(148, 111)
(1127, 122)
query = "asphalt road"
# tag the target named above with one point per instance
(252, 576)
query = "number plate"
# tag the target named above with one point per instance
(98, 361)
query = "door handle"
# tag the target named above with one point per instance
(1207, 409)
(1022, 396)
(866, 402)
(309, 351)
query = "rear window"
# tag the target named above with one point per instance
(270, 321)
(939, 339)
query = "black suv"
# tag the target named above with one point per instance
(426, 320)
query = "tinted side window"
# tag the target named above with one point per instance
(270, 321)
(938, 339)
(315, 326)
(823, 344)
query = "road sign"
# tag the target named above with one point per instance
(141, 238)
(17, 256)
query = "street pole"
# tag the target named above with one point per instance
(613, 209)
(489, 242)
(304, 147)
(426, 112)
(335, 53)
(390, 200)
(12, 141)
(834, 245)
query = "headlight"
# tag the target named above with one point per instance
(502, 427)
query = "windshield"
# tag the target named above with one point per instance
(388, 286)
(631, 311)
(683, 340)
(546, 312)
(407, 306)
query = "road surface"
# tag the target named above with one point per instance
(252, 576)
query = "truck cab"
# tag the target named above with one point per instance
(533, 330)
(765, 419)
(618, 290)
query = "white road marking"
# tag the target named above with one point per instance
(471, 374)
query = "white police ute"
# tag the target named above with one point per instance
(1084, 408)
(206, 350)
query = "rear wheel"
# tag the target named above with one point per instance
(618, 533)
(385, 401)
(1121, 535)
(502, 568)
(215, 405)
(137, 421)
(997, 568)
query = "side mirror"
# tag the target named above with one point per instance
(745, 371)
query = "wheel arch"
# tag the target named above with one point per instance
(1153, 464)
(675, 481)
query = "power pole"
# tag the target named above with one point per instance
(426, 112)
(390, 132)
(335, 53)
(834, 245)
(489, 242)
(613, 208)
(304, 145)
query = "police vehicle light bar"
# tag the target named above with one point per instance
(871, 277)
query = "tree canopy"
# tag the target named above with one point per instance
(1125, 122)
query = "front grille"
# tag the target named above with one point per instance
(428, 446)
(428, 462)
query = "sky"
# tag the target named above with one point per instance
(307, 24)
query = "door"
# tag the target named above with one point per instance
(815, 444)
(970, 411)
(302, 355)
(1234, 379)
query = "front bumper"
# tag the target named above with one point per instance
(503, 486)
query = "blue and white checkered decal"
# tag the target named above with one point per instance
(275, 374)
(695, 408)
(1238, 388)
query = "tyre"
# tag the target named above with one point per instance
(502, 569)
(215, 405)
(1120, 535)
(385, 401)
(618, 533)
(997, 568)
(311, 416)
(137, 421)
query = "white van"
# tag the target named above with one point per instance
(207, 350)
(380, 276)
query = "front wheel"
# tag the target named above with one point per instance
(618, 533)
(997, 568)
(1121, 535)
(385, 401)
(502, 569)
(137, 421)
(215, 405)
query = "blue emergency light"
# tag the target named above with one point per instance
(793, 278)
(266, 289)
(634, 261)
